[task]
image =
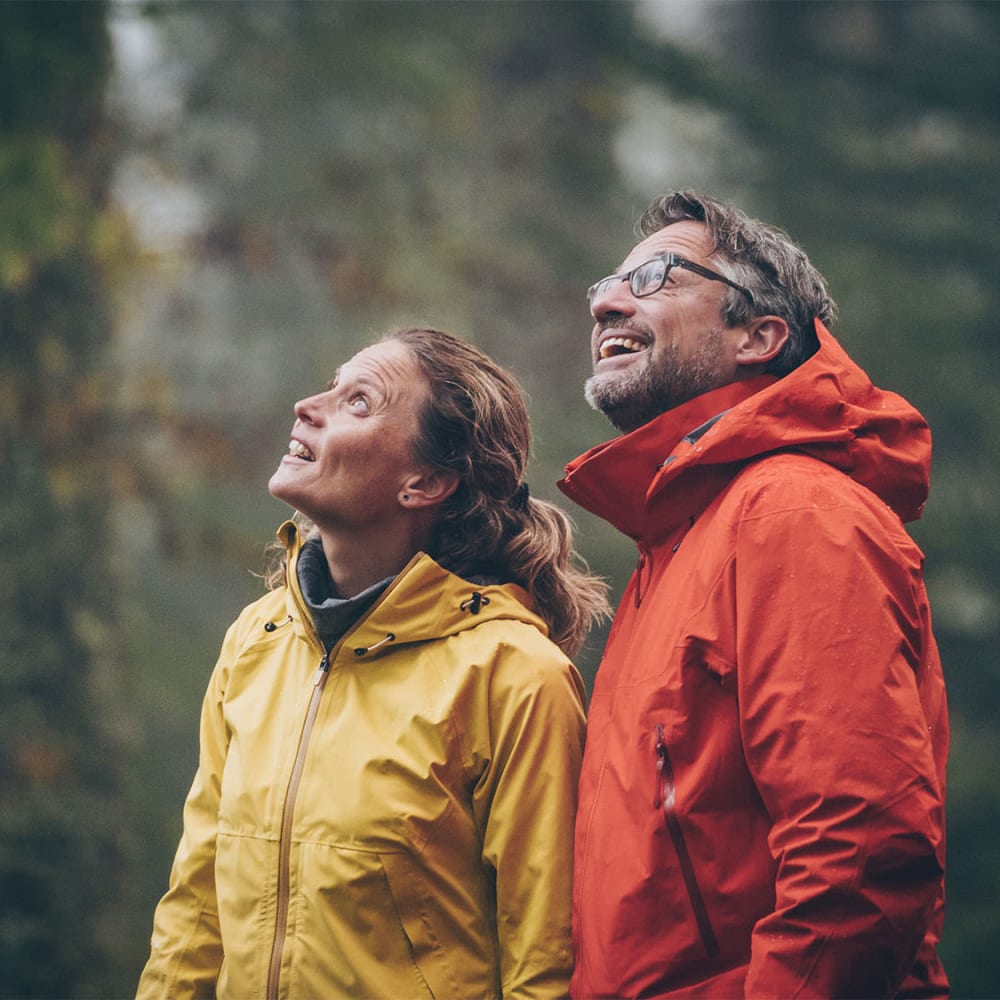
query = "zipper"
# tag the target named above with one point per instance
(664, 798)
(285, 839)
(644, 568)
(292, 791)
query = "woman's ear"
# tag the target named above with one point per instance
(764, 338)
(427, 488)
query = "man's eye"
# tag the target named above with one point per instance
(358, 403)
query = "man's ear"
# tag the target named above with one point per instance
(764, 338)
(427, 488)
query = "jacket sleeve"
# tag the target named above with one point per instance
(186, 945)
(525, 803)
(842, 714)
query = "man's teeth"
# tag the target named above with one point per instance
(299, 450)
(614, 346)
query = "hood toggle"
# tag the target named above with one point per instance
(475, 603)
(362, 650)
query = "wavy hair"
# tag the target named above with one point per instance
(764, 260)
(475, 424)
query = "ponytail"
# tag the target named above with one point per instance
(476, 425)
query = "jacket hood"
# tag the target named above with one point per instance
(424, 601)
(827, 408)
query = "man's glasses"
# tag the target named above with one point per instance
(650, 277)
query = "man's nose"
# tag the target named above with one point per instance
(614, 299)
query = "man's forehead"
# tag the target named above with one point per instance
(688, 238)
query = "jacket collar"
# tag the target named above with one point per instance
(647, 482)
(424, 601)
(616, 480)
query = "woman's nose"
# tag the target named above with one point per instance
(308, 410)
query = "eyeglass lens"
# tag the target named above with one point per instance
(649, 277)
(644, 280)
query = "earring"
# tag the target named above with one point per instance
(405, 497)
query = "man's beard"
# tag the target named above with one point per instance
(632, 398)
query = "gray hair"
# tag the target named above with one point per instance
(764, 260)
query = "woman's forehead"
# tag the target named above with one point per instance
(388, 359)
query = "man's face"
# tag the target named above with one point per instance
(653, 353)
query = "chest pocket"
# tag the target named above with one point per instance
(686, 621)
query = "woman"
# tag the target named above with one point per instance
(391, 737)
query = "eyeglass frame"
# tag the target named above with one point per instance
(671, 260)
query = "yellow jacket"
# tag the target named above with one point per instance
(394, 820)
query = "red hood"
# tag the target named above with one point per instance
(827, 408)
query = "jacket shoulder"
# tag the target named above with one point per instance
(791, 480)
(811, 499)
(520, 648)
(519, 661)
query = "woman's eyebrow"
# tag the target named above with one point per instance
(363, 379)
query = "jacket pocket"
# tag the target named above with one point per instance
(453, 963)
(665, 799)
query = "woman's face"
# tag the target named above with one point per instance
(351, 446)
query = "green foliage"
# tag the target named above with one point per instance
(64, 821)
(48, 86)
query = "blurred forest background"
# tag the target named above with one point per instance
(205, 207)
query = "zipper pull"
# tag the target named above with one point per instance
(322, 670)
(661, 755)
(644, 567)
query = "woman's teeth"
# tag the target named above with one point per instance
(298, 450)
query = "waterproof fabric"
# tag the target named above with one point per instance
(761, 802)
(397, 825)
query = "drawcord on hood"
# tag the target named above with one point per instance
(475, 603)
(362, 650)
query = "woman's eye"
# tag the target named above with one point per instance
(358, 403)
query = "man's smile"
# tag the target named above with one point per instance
(618, 344)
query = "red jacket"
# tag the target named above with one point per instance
(762, 798)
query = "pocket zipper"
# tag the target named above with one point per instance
(664, 798)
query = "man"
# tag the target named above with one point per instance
(762, 798)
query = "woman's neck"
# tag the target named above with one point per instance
(358, 563)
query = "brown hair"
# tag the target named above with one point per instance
(764, 260)
(475, 424)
